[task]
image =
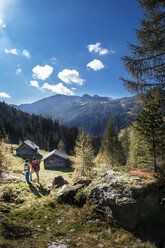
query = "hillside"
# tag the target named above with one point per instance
(31, 217)
(90, 112)
(18, 126)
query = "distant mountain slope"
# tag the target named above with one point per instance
(89, 112)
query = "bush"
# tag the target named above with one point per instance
(80, 197)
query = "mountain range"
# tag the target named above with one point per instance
(88, 112)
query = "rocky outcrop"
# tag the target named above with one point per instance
(58, 182)
(73, 193)
(126, 200)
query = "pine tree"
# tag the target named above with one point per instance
(111, 149)
(61, 146)
(84, 156)
(125, 141)
(139, 154)
(149, 124)
(147, 60)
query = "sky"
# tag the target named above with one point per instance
(71, 47)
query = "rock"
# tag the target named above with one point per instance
(57, 245)
(59, 222)
(83, 180)
(58, 182)
(126, 200)
(67, 193)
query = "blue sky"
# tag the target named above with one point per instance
(70, 47)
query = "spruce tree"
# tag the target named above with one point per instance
(149, 124)
(125, 141)
(139, 154)
(111, 148)
(84, 156)
(147, 60)
(61, 146)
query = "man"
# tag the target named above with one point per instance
(32, 168)
(36, 168)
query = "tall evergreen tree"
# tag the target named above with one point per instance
(84, 156)
(139, 154)
(111, 148)
(125, 141)
(150, 125)
(61, 146)
(147, 60)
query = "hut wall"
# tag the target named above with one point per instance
(54, 162)
(25, 150)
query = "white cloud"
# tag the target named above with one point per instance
(103, 51)
(34, 83)
(2, 24)
(12, 51)
(42, 72)
(18, 52)
(4, 95)
(58, 89)
(96, 65)
(26, 54)
(96, 48)
(71, 76)
(73, 88)
(18, 71)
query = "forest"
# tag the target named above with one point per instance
(18, 126)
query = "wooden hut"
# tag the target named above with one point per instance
(55, 159)
(27, 148)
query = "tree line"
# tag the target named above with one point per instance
(18, 126)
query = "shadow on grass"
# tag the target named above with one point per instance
(34, 190)
(38, 190)
(43, 191)
(153, 229)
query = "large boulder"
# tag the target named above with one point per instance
(58, 182)
(126, 200)
(73, 193)
(67, 193)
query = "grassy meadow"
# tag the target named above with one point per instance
(30, 216)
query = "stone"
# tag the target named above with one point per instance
(83, 180)
(126, 200)
(58, 182)
(67, 193)
(57, 245)
(59, 222)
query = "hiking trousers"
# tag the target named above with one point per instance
(37, 173)
(27, 176)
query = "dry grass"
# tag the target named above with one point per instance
(30, 218)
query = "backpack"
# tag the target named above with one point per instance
(26, 167)
(36, 166)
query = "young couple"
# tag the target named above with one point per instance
(29, 169)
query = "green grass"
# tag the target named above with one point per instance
(33, 223)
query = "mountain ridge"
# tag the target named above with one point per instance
(89, 112)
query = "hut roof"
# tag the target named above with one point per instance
(31, 144)
(57, 153)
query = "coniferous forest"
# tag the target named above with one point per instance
(18, 126)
